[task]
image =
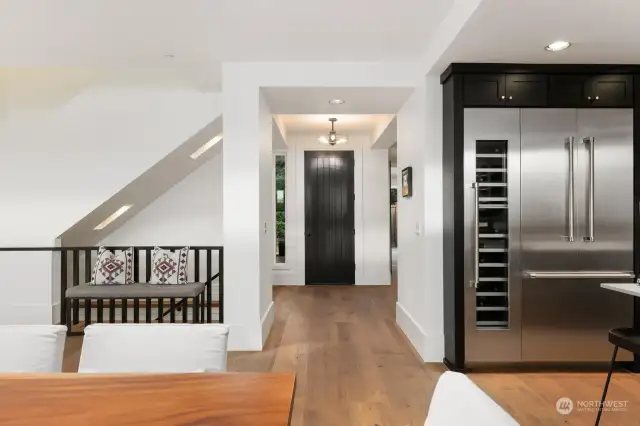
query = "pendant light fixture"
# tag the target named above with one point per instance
(333, 138)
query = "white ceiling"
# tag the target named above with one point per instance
(204, 33)
(200, 34)
(517, 31)
(319, 123)
(315, 100)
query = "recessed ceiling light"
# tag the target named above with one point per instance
(113, 217)
(336, 101)
(557, 46)
(206, 146)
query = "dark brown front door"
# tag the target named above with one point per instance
(329, 218)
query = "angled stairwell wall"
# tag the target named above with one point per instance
(61, 157)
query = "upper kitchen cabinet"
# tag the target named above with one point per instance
(527, 90)
(583, 91)
(568, 91)
(512, 90)
(610, 91)
(484, 90)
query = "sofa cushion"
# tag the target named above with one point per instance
(134, 291)
(113, 268)
(169, 267)
(32, 348)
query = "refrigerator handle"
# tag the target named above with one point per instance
(476, 236)
(571, 197)
(591, 141)
(578, 274)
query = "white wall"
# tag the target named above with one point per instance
(267, 249)
(376, 220)
(247, 212)
(68, 142)
(419, 307)
(190, 213)
(25, 283)
(371, 210)
(67, 159)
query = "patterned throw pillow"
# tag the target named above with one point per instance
(168, 267)
(113, 268)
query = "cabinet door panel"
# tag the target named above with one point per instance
(527, 90)
(611, 91)
(486, 90)
(568, 91)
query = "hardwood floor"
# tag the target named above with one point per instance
(354, 367)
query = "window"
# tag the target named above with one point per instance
(280, 179)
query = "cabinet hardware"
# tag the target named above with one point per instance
(510, 97)
(502, 97)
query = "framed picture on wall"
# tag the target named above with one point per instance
(406, 182)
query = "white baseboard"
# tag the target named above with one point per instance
(267, 322)
(26, 314)
(430, 347)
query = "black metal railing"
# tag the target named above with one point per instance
(76, 267)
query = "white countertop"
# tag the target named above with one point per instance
(632, 289)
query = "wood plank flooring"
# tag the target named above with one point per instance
(354, 367)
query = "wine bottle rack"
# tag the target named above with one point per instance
(492, 292)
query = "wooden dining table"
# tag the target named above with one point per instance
(221, 399)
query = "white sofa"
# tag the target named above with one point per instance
(154, 348)
(457, 401)
(32, 348)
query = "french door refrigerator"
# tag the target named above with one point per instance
(549, 216)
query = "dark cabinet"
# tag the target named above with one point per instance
(583, 91)
(484, 90)
(610, 91)
(527, 90)
(568, 91)
(544, 90)
(499, 90)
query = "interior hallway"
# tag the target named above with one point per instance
(354, 367)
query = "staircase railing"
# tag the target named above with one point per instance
(76, 267)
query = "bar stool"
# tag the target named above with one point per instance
(625, 338)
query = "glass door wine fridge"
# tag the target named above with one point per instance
(492, 185)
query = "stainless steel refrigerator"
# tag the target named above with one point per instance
(549, 216)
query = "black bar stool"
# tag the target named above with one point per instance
(625, 338)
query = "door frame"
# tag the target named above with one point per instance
(348, 154)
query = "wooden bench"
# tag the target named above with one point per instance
(135, 292)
